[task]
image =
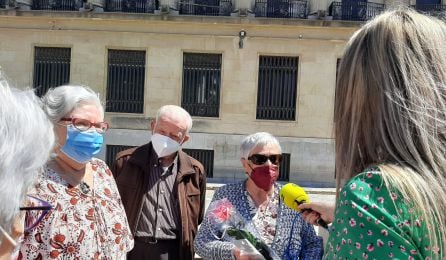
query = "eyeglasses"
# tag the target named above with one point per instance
(36, 209)
(259, 159)
(83, 124)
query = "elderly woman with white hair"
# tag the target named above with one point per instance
(257, 200)
(88, 221)
(26, 140)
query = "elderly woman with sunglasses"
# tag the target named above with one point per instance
(257, 200)
(88, 220)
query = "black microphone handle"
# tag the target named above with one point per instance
(322, 223)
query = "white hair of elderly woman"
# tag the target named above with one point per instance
(59, 102)
(255, 140)
(26, 141)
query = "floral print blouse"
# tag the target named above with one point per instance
(265, 217)
(83, 224)
(372, 221)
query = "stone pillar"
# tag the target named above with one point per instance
(23, 5)
(243, 4)
(167, 4)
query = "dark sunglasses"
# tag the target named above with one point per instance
(259, 159)
(36, 209)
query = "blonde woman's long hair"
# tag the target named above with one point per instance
(390, 111)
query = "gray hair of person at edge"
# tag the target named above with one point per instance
(26, 141)
(257, 139)
(60, 101)
(176, 113)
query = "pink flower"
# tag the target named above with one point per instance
(370, 247)
(352, 222)
(222, 211)
(379, 243)
(358, 245)
(394, 196)
(353, 186)
(380, 199)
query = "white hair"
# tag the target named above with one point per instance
(175, 112)
(60, 101)
(255, 140)
(26, 140)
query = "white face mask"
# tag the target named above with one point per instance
(164, 145)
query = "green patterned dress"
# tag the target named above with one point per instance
(373, 222)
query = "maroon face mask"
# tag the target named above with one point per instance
(265, 176)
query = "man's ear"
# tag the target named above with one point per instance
(185, 139)
(152, 124)
(245, 165)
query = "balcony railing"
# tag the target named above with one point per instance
(431, 9)
(281, 8)
(131, 6)
(206, 7)
(2, 3)
(356, 11)
(56, 5)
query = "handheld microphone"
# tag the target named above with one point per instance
(293, 195)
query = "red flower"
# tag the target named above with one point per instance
(222, 211)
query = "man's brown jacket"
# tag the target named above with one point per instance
(131, 170)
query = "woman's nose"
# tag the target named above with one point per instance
(268, 162)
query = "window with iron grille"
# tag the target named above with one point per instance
(206, 7)
(206, 157)
(281, 8)
(56, 5)
(131, 6)
(277, 88)
(113, 150)
(125, 81)
(201, 84)
(285, 168)
(51, 68)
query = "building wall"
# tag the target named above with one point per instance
(318, 44)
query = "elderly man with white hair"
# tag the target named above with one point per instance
(162, 189)
(26, 140)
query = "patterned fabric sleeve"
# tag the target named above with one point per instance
(206, 244)
(126, 238)
(311, 243)
(372, 222)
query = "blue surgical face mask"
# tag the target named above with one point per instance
(81, 146)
